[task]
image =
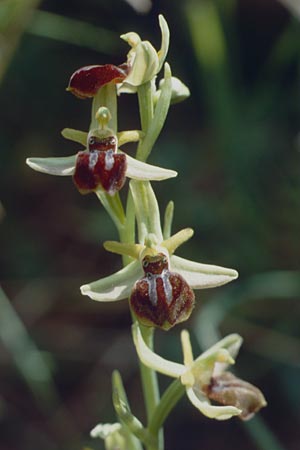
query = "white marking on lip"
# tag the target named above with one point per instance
(152, 290)
(109, 160)
(167, 286)
(93, 159)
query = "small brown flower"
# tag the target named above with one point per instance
(227, 389)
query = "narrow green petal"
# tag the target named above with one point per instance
(81, 136)
(202, 276)
(129, 136)
(139, 170)
(114, 287)
(165, 40)
(198, 399)
(177, 239)
(75, 135)
(144, 201)
(151, 359)
(53, 166)
(168, 219)
(122, 248)
(186, 348)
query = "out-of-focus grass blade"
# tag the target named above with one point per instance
(275, 285)
(14, 18)
(262, 435)
(26, 355)
(73, 31)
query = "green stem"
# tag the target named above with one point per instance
(153, 119)
(114, 207)
(169, 399)
(151, 390)
(145, 105)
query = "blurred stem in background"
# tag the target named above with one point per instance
(211, 53)
(18, 16)
(25, 354)
(15, 16)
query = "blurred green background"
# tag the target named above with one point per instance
(235, 143)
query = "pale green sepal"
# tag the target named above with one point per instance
(231, 344)
(114, 287)
(151, 359)
(61, 166)
(75, 135)
(202, 276)
(177, 239)
(198, 399)
(139, 170)
(144, 201)
(132, 39)
(168, 219)
(165, 40)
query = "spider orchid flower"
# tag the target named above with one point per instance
(143, 64)
(160, 285)
(101, 166)
(206, 377)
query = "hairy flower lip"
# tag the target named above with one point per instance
(86, 81)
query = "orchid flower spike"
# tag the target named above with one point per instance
(160, 285)
(206, 378)
(101, 166)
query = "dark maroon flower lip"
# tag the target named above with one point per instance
(86, 81)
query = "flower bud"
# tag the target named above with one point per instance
(142, 58)
(161, 298)
(179, 90)
(229, 390)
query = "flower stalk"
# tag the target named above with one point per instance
(159, 285)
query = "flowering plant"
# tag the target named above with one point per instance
(160, 285)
